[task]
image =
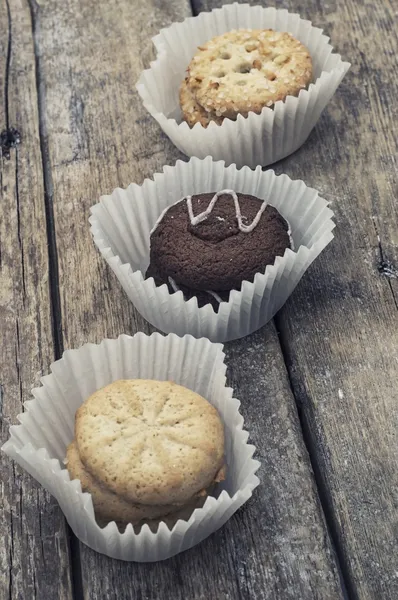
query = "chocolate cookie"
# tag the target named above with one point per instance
(212, 242)
(202, 297)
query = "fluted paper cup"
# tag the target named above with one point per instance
(39, 443)
(121, 225)
(259, 139)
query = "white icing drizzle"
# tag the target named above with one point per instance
(161, 216)
(173, 285)
(289, 233)
(215, 295)
(243, 228)
(203, 215)
(175, 288)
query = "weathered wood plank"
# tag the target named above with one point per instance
(276, 547)
(34, 555)
(99, 136)
(339, 330)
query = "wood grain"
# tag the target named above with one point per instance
(98, 136)
(275, 547)
(339, 330)
(342, 359)
(34, 555)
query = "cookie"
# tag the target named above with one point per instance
(213, 242)
(245, 70)
(183, 512)
(202, 297)
(192, 112)
(108, 506)
(150, 442)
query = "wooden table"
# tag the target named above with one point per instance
(319, 385)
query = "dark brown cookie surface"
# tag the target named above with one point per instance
(216, 254)
(202, 296)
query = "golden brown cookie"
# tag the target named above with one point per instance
(170, 519)
(151, 442)
(108, 506)
(192, 112)
(245, 70)
(183, 512)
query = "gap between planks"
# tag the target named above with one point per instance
(56, 314)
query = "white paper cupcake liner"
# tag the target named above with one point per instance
(121, 225)
(258, 139)
(47, 427)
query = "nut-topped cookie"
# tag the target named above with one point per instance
(243, 71)
(192, 111)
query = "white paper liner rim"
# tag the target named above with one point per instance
(260, 138)
(35, 424)
(130, 214)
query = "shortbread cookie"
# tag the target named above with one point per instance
(183, 512)
(151, 442)
(245, 70)
(192, 112)
(213, 242)
(108, 506)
